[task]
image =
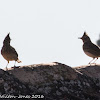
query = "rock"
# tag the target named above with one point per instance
(44, 73)
(92, 71)
(58, 93)
(53, 81)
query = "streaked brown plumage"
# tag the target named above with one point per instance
(89, 48)
(8, 52)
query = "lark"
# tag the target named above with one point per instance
(8, 52)
(90, 48)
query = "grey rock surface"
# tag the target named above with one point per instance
(53, 81)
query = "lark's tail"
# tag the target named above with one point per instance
(19, 61)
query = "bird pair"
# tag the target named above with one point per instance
(89, 48)
(8, 52)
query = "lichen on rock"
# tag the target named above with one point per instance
(53, 81)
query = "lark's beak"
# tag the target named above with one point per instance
(80, 38)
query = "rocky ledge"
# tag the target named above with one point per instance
(54, 81)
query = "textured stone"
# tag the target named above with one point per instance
(54, 81)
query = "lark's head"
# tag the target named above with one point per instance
(7, 39)
(85, 38)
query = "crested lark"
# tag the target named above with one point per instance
(89, 48)
(8, 52)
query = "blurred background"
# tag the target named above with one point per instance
(44, 31)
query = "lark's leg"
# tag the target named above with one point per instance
(7, 65)
(91, 60)
(14, 64)
(95, 61)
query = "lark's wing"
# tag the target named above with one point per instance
(91, 48)
(13, 52)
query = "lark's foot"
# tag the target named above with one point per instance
(15, 67)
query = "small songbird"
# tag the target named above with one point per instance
(8, 52)
(89, 48)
